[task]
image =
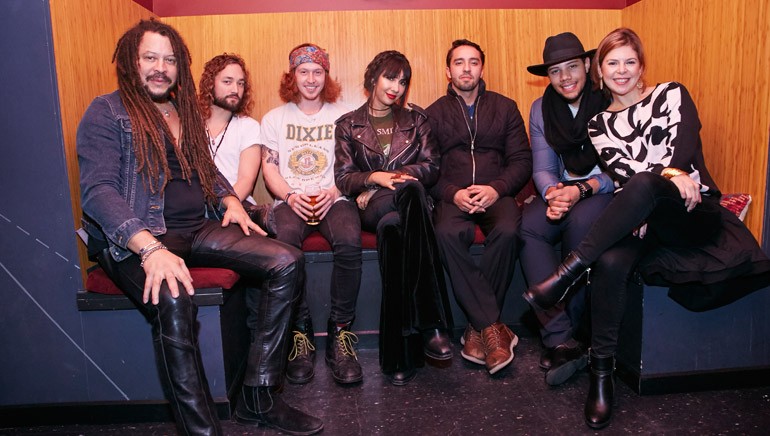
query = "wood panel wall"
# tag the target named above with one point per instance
(84, 37)
(511, 39)
(720, 51)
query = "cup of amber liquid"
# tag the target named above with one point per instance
(313, 191)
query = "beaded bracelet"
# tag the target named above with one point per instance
(150, 251)
(288, 194)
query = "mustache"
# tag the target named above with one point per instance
(161, 76)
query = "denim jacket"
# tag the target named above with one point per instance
(115, 200)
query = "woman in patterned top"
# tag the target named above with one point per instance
(665, 218)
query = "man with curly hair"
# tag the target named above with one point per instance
(224, 95)
(150, 196)
(298, 140)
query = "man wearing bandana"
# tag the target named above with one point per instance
(298, 141)
(573, 192)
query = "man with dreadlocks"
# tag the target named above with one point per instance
(150, 192)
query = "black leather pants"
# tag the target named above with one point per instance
(257, 259)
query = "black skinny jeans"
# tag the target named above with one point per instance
(342, 228)
(646, 197)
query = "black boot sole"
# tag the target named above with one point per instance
(259, 423)
(300, 381)
(558, 375)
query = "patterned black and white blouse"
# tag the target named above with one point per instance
(662, 130)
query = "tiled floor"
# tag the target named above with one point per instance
(463, 399)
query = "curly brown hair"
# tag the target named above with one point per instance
(289, 91)
(150, 130)
(206, 85)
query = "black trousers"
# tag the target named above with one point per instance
(414, 295)
(646, 198)
(342, 228)
(479, 289)
(257, 259)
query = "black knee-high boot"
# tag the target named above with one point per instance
(601, 392)
(179, 363)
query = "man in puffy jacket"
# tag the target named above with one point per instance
(485, 162)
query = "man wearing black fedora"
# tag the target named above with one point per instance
(572, 189)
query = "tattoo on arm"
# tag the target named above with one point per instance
(271, 156)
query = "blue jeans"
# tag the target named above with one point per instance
(342, 228)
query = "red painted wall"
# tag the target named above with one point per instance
(177, 8)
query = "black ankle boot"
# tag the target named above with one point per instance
(553, 289)
(436, 344)
(300, 369)
(263, 406)
(341, 354)
(601, 391)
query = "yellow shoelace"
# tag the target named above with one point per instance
(302, 345)
(346, 340)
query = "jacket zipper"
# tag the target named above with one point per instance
(470, 133)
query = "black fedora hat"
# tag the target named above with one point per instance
(559, 48)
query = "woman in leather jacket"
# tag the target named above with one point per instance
(385, 158)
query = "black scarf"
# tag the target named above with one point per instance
(568, 136)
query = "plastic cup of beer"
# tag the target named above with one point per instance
(313, 191)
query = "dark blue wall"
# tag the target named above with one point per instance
(39, 272)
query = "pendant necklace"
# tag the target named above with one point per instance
(214, 151)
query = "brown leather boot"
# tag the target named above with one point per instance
(300, 368)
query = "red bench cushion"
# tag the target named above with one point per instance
(316, 242)
(97, 280)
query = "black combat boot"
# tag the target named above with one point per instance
(341, 354)
(299, 369)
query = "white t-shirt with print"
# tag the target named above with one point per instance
(241, 133)
(305, 143)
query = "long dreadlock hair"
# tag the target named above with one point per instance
(149, 128)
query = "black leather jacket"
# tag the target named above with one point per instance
(358, 153)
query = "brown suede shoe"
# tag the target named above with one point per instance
(499, 342)
(473, 347)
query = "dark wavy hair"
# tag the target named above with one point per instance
(149, 128)
(461, 42)
(206, 84)
(619, 37)
(289, 91)
(389, 64)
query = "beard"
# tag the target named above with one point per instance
(226, 105)
(465, 86)
(160, 97)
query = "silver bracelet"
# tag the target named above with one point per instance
(151, 250)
